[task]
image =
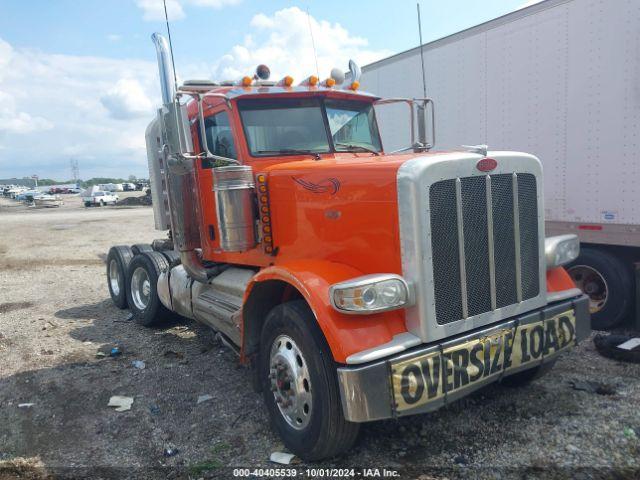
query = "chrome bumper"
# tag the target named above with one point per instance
(372, 392)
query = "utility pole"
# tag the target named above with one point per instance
(75, 171)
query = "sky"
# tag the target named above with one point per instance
(79, 81)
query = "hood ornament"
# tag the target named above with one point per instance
(480, 149)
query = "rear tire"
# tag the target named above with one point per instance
(525, 377)
(300, 385)
(172, 257)
(142, 294)
(118, 260)
(608, 282)
(141, 248)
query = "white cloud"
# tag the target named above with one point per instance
(95, 109)
(56, 107)
(127, 99)
(153, 10)
(283, 42)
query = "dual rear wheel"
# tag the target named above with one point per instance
(132, 278)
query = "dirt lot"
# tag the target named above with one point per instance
(55, 315)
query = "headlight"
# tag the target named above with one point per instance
(370, 294)
(561, 250)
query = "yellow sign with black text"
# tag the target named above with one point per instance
(426, 378)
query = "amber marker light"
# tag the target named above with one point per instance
(329, 82)
(355, 85)
(286, 81)
(247, 81)
(265, 213)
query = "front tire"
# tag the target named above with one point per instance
(300, 385)
(608, 282)
(142, 293)
(118, 260)
(525, 377)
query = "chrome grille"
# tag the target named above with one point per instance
(484, 237)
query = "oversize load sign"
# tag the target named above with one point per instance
(425, 379)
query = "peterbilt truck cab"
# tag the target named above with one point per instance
(357, 284)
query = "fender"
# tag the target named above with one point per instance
(345, 334)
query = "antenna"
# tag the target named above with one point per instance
(313, 43)
(424, 78)
(173, 65)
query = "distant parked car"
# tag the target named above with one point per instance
(100, 198)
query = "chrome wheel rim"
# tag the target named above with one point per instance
(290, 382)
(114, 277)
(591, 282)
(140, 288)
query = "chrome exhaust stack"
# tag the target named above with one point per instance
(179, 173)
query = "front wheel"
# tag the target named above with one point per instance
(300, 385)
(525, 377)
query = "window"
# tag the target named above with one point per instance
(352, 125)
(219, 136)
(284, 126)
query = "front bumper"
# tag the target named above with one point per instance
(428, 377)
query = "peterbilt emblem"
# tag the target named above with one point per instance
(486, 164)
(331, 185)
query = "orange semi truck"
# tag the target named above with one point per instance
(358, 284)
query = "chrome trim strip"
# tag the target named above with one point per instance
(563, 295)
(492, 259)
(516, 237)
(463, 266)
(399, 343)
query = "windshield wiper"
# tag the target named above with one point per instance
(351, 147)
(287, 150)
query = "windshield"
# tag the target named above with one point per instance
(352, 124)
(308, 125)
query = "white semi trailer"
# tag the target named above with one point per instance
(559, 79)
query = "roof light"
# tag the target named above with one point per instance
(263, 72)
(337, 75)
(310, 81)
(286, 81)
(246, 81)
(354, 85)
(329, 82)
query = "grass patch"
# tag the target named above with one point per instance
(212, 462)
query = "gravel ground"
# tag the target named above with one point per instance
(55, 315)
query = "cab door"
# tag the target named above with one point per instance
(222, 141)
